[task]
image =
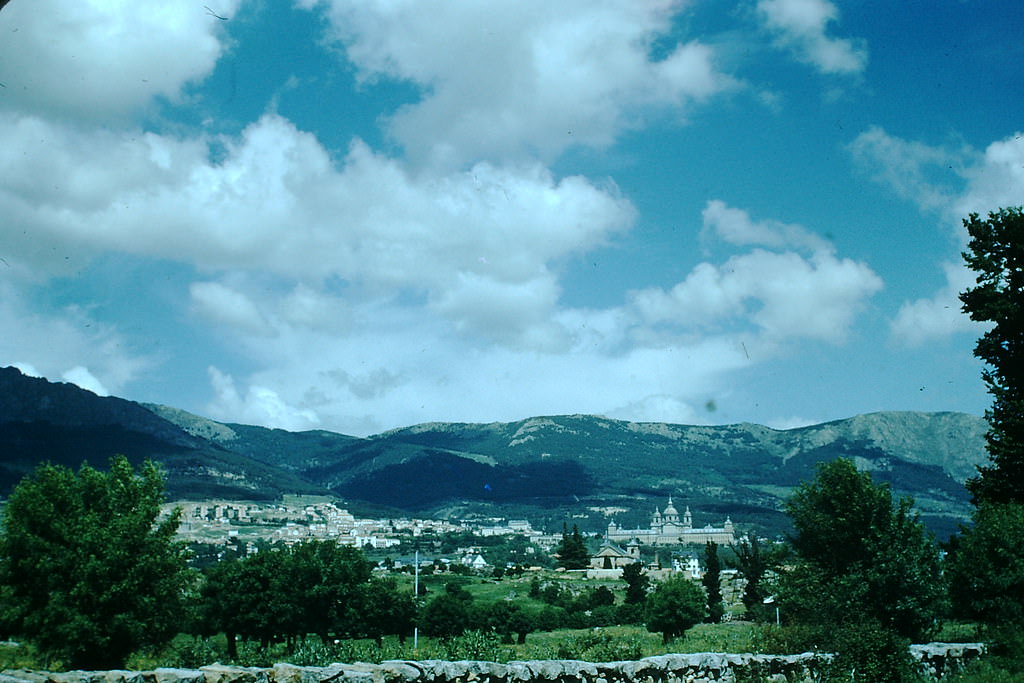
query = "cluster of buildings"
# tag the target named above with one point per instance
(296, 519)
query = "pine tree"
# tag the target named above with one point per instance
(712, 583)
(996, 254)
(636, 583)
(572, 551)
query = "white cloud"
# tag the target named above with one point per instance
(951, 182)
(996, 180)
(801, 26)
(937, 316)
(102, 58)
(785, 295)
(223, 305)
(65, 342)
(401, 366)
(86, 380)
(259, 405)
(925, 174)
(27, 369)
(473, 242)
(519, 79)
(736, 227)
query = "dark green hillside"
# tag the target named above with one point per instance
(42, 421)
(540, 468)
(742, 471)
(544, 484)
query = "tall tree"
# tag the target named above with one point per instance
(712, 583)
(996, 253)
(90, 572)
(753, 565)
(249, 597)
(636, 583)
(572, 551)
(866, 572)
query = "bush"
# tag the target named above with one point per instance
(598, 646)
(480, 646)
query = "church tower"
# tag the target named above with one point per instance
(687, 519)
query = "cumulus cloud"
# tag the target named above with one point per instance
(521, 79)
(785, 295)
(407, 368)
(950, 180)
(92, 59)
(258, 405)
(928, 175)
(996, 180)
(937, 316)
(736, 227)
(473, 242)
(801, 26)
(223, 305)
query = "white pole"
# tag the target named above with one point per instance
(416, 597)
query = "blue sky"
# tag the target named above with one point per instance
(357, 215)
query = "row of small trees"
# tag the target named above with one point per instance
(315, 587)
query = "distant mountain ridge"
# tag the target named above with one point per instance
(538, 468)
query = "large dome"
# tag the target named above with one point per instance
(670, 509)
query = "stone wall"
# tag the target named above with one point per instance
(936, 658)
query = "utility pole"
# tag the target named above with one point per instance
(416, 597)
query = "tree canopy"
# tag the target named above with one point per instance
(636, 583)
(996, 254)
(860, 556)
(314, 587)
(89, 572)
(676, 605)
(572, 551)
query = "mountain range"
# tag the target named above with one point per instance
(543, 468)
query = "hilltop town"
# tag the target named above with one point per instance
(246, 526)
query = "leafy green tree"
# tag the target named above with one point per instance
(498, 617)
(323, 583)
(996, 253)
(90, 571)
(522, 623)
(385, 610)
(712, 583)
(601, 596)
(676, 605)
(860, 556)
(446, 615)
(636, 583)
(572, 551)
(986, 568)
(249, 597)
